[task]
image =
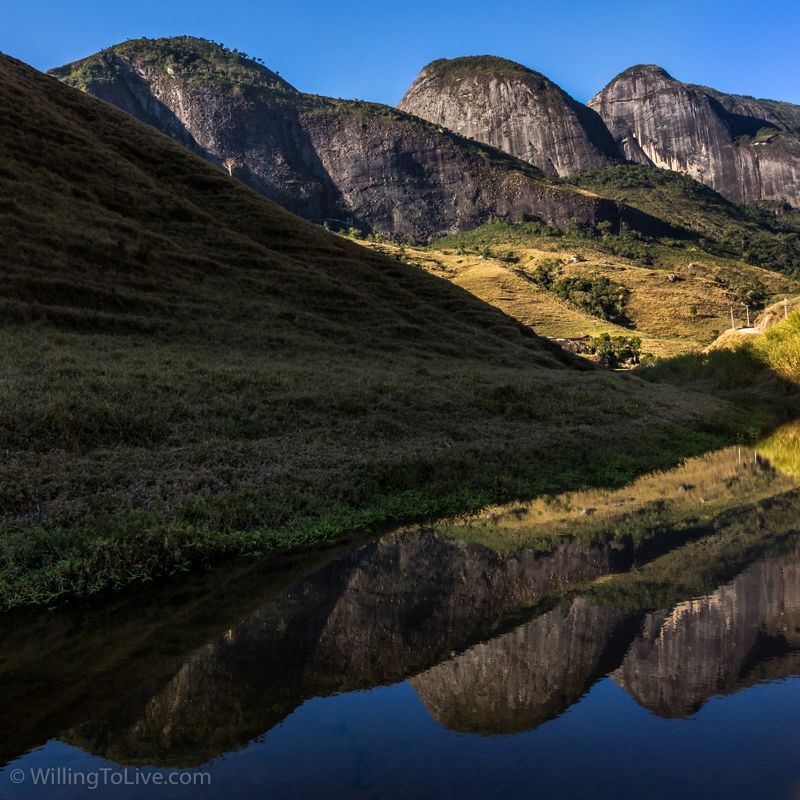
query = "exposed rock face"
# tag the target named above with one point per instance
(514, 109)
(748, 150)
(347, 162)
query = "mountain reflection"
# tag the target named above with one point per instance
(680, 588)
(746, 631)
(531, 674)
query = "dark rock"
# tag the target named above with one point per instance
(345, 162)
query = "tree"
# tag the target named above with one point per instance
(230, 163)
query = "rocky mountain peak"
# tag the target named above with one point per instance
(471, 66)
(340, 162)
(511, 107)
(188, 58)
(745, 149)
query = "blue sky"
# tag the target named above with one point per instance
(372, 50)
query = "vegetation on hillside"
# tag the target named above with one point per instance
(759, 237)
(470, 65)
(198, 61)
(675, 297)
(767, 365)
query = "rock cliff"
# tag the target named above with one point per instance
(747, 150)
(513, 108)
(345, 162)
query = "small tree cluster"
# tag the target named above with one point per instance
(618, 351)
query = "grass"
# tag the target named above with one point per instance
(678, 298)
(197, 61)
(476, 65)
(765, 367)
(141, 459)
(189, 372)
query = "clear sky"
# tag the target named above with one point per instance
(373, 50)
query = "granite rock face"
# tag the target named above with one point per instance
(747, 150)
(515, 109)
(345, 162)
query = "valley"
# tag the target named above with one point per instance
(191, 372)
(443, 443)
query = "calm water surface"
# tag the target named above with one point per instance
(639, 643)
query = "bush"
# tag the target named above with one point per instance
(618, 351)
(753, 293)
(600, 297)
(546, 273)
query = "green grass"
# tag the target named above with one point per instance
(137, 459)
(195, 60)
(494, 66)
(762, 369)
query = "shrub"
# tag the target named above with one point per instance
(618, 351)
(600, 297)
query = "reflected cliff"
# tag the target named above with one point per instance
(681, 586)
(389, 610)
(517, 681)
(745, 632)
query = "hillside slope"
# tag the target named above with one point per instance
(188, 370)
(747, 150)
(768, 237)
(677, 299)
(343, 162)
(513, 108)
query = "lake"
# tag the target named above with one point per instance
(642, 642)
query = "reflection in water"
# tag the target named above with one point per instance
(746, 631)
(683, 586)
(376, 616)
(531, 674)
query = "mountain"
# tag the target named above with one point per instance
(513, 108)
(343, 162)
(747, 150)
(189, 370)
(108, 225)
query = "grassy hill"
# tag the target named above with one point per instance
(679, 288)
(678, 297)
(186, 370)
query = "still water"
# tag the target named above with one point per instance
(638, 643)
